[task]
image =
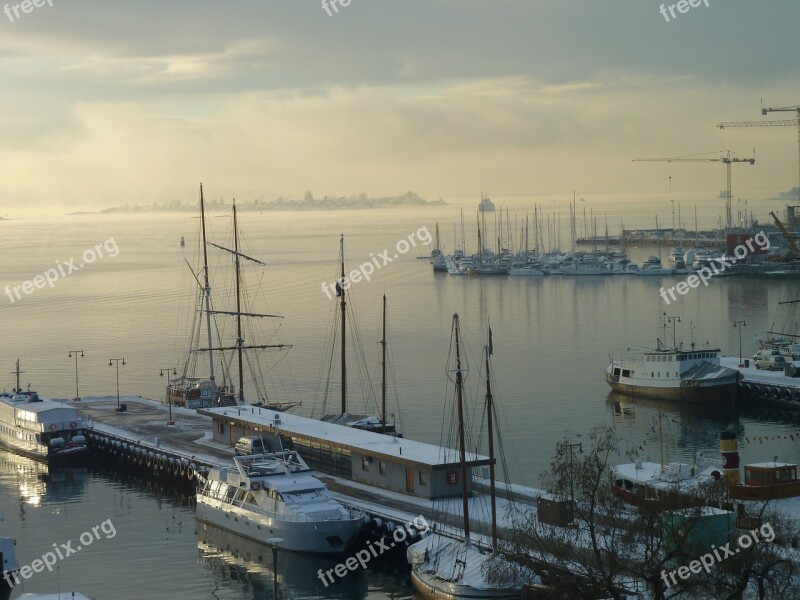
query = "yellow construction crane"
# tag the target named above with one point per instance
(726, 160)
(795, 251)
(773, 123)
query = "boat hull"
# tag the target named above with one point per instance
(66, 457)
(433, 588)
(713, 392)
(318, 537)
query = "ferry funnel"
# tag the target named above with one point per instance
(730, 456)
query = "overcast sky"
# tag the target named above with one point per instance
(111, 102)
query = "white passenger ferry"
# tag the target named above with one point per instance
(40, 429)
(277, 496)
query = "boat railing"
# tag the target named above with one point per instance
(294, 518)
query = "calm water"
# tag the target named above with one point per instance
(552, 338)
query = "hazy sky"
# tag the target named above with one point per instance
(111, 102)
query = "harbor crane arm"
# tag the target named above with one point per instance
(773, 123)
(792, 244)
(726, 160)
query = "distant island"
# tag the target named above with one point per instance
(308, 202)
(792, 194)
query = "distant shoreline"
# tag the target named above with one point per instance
(308, 203)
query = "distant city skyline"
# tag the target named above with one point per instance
(107, 103)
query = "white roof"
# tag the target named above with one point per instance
(65, 412)
(770, 465)
(357, 439)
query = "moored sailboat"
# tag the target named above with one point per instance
(193, 391)
(449, 567)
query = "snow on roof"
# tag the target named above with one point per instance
(770, 465)
(368, 442)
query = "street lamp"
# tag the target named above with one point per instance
(77, 395)
(161, 374)
(740, 324)
(110, 363)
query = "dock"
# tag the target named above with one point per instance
(182, 454)
(770, 387)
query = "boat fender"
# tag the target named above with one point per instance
(53, 427)
(183, 465)
(254, 486)
(73, 425)
(149, 460)
(190, 471)
(376, 524)
(162, 462)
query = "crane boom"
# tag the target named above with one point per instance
(792, 244)
(727, 160)
(774, 123)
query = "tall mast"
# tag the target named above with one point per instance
(480, 246)
(206, 286)
(383, 369)
(18, 372)
(489, 414)
(343, 305)
(239, 339)
(461, 435)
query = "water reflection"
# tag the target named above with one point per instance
(247, 564)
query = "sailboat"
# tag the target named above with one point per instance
(378, 424)
(448, 567)
(192, 391)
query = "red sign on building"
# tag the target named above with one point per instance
(452, 477)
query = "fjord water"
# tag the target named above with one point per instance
(551, 336)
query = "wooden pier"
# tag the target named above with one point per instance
(768, 387)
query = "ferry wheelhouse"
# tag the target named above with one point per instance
(41, 429)
(676, 374)
(278, 496)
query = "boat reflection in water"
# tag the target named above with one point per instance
(34, 482)
(249, 564)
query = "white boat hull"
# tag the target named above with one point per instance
(319, 537)
(433, 588)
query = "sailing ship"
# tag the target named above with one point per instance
(449, 567)
(193, 391)
(40, 429)
(380, 423)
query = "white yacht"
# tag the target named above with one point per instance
(586, 264)
(675, 255)
(278, 496)
(527, 270)
(702, 258)
(652, 266)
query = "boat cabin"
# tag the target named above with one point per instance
(768, 481)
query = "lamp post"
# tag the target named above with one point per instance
(169, 398)
(740, 324)
(77, 395)
(110, 363)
